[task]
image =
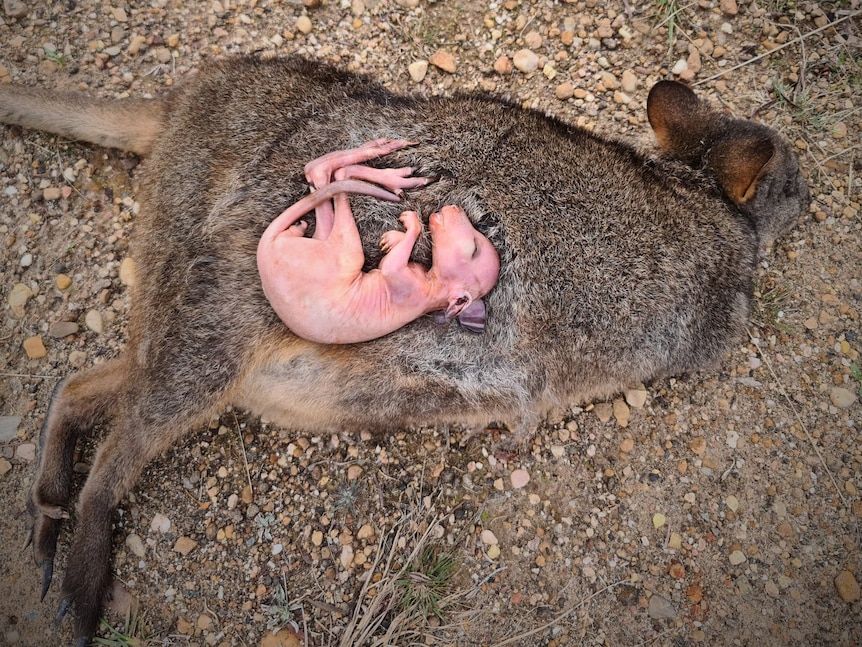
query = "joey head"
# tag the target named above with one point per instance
(317, 286)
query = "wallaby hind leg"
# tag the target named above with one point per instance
(148, 422)
(78, 403)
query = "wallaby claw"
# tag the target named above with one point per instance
(62, 610)
(28, 540)
(47, 576)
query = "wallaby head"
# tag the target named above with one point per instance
(753, 164)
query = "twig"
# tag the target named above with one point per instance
(808, 435)
(519, 639)
(244, 457)
(780, 47)
(41, 377)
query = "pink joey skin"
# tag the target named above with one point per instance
(317, 286)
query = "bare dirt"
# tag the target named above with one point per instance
(722, 510)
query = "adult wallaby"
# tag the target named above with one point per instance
(616, 268)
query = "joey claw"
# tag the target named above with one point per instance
(83, 641)
(62, 610)
(47, 576)
(28, 540)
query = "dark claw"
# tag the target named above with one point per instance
(47, 574)
(82, 642)
(62, 610)
(29, 538)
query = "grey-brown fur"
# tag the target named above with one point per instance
(615, 269)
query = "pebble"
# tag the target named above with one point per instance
(60, 329)
(354, 472)
(51, 194)
(658, 520)
(185, 545)
(519, 478)
(93, 320)
(15, 8)
(732, 503)
(63, 281)
(493, 551)
(17, 299)
(729, 7)
(77, 358)
(26, 260)
(135, 545)
(636, 397)
(629, 84)
(674, 542)
(698, 446)
(604, 411)
(346, 558)
(660, 608)
(621, 412)
(5, 467)
(488, 538)
(503, 65)
(525, 60)
(418, 70)
(847, 586)
(317, 538)
(9, 428)
(627, 445)
(127, 271)
(160, 523)
(26, 452)
(842, 398)
(443, 60)
(564, 91)
(34, 347)
(679, 67)
(737, 557)
(303, 24)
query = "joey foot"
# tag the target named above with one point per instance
(390, 239)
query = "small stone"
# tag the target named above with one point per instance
(621, 412)
(418, 70)
(627, 445)
(346, 557)
(135, 545)
(204, 622)
(303, 24)
(503, 65)
(160, 523)
(493, 551)
(676, 571)
(729, 7)
(732, 503)
(519, 478)
(847, 586)
(443, 60)
(839, 130)
(660, 608)
(317, 538)
(5, 467)
(60, 329)
(697, 445)
(488, 538)
(636, 397)
(93, 321)
(564, 91)
(26, 452)
(842, 398)
(34, 347)
(9, 428)
(18, 297)
(679, 67)
(15, 8)
(311, 4)
(629, 84)
(185, 545)
(558, 451)
(127, 271)
(113, 50)
(119, 14)
(354, 472)
(136, 44)
(173, 40)
(77, 358)
(604, 411)
(51, 193)
(674, 542)
(533, 39)
(772, 589)
(525, 60)
(658, 520)
(246, 495)
(26, 260)
(63, 281)
(365, 532)
(737, 557)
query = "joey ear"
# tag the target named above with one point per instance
(739, 163)
(676, 116)
(457, 303)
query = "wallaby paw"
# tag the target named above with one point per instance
(47, 575)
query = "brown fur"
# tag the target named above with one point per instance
(615, 268)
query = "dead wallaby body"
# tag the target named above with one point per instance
(615, 269)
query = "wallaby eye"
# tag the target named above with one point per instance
(475, 249)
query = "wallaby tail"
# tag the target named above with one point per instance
(131, 124)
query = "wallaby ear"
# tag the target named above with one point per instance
(739, 163)
(676, 116)
(472, 317)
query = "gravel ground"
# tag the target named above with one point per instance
(718, 509)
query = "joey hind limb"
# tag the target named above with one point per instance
(316, 285)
